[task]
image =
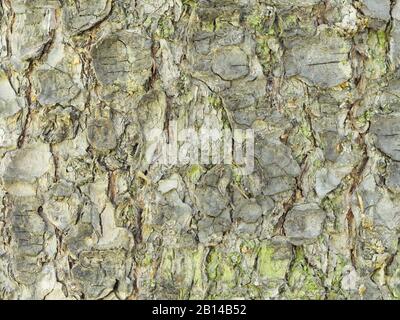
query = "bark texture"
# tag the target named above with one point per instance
(84, 215)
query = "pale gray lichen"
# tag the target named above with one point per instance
(88, 213)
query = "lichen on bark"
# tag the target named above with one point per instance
(85, 214)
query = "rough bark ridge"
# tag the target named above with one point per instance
(85, 216)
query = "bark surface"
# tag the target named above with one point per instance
(84, 214)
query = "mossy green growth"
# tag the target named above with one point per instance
(255, 21)
(209, 25)
(260, 21)
(263, 52)
(190, 3)
(287, 22)
(147, 260)
(317, 164)
(220, 268)
(382, 38)
(165, 28)
(166, 266)
(334, 279)
(394, 284)
(215, 101)
(269, 267)
(235, 257)
(303, 282)
(213, 261)
(332, 202)
(376, 65)
(387, 108)
(228, 275)
(305, 130)
(194, 173)
(198, 287)
(338, 273)
(237, 175)
(365, 117)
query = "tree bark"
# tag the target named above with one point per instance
(91, 207)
